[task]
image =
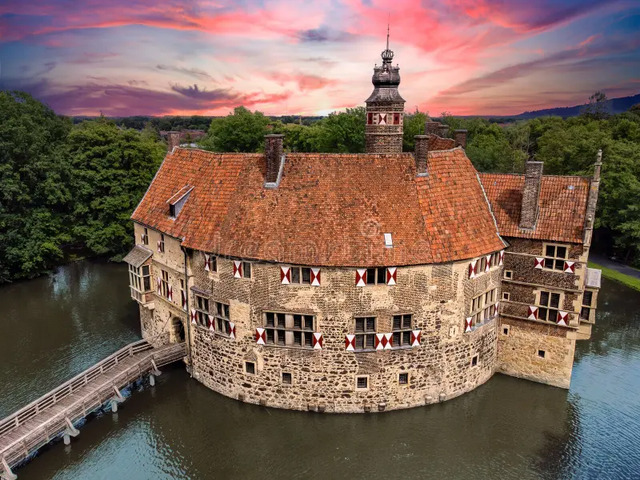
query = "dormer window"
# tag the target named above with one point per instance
(177, 201)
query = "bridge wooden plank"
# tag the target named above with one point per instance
(48, 421)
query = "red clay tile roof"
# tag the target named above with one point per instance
(440, 143)
(562, 210)
(329, 209)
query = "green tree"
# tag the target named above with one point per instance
(240, 131)
(34, 197)
(342, 132)
(596, 109)
(413, 124)
(112, 168)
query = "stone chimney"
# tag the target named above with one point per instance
(421, 153)
(173, 140)
(431, 127)
(273, 150)
(443, 130)
(460, 137)
(592, 200)
(531, 194)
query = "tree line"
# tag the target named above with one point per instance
(67, 190)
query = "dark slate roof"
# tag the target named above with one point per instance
(137, 256)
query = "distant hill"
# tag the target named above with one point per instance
(614, 105)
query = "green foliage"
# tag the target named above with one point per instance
(112, 170)
(64, 187)
(413, 125)
(342, 132)
(34, 196)
(241, 131)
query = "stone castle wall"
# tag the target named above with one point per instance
(440, 368)
(537, 350)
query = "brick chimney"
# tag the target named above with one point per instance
(443, 130)
(273, 150)
(431, 127)
(421, 153)
(173, 140)
(460, 137)
(531, 194)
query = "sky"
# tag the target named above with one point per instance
(465, 57)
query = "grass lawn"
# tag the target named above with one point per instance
(617, 276)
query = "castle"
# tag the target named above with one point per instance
(364, 282)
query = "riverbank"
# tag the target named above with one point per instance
(618, 276)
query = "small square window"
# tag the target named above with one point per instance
(287, 378)
(508, 274)
(362, 383)
(403, 378)
(541, 353)
(506, 296)
(474, 361)
(250, 367)
(505, 331)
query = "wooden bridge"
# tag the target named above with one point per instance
(54, 414)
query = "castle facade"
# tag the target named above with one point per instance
(364, 282)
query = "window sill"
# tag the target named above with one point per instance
(373, 350)
(480, 325)
(215, 333)
(291, 347)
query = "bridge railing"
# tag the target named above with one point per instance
(48, 429)
(67, 388)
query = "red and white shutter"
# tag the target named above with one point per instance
(569, 267)
(285, 275)
(496, 307)
(159, 285)
(211, 323)
(391, 275)
(315, 277)
(467, 324)
(501, 258)
(183, 298)
(415, 338)
(232, 330)
(380, 341)
(532, 313)
(193, 316)
(207, 262)
(142, 237)
(361, 277)
(317, 341)
(382, 119)
(563, 318)
(159, 246)
(170, 293)
(539, 262)
(261, 336)
(488, 263)
(388, 341)
(473, 268)
(237, 268)
(350, 343)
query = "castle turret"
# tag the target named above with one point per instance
(385, 108)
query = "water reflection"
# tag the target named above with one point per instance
(508, 428)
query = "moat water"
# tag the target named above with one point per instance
(54, 327)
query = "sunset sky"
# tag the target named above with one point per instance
(126, 57)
